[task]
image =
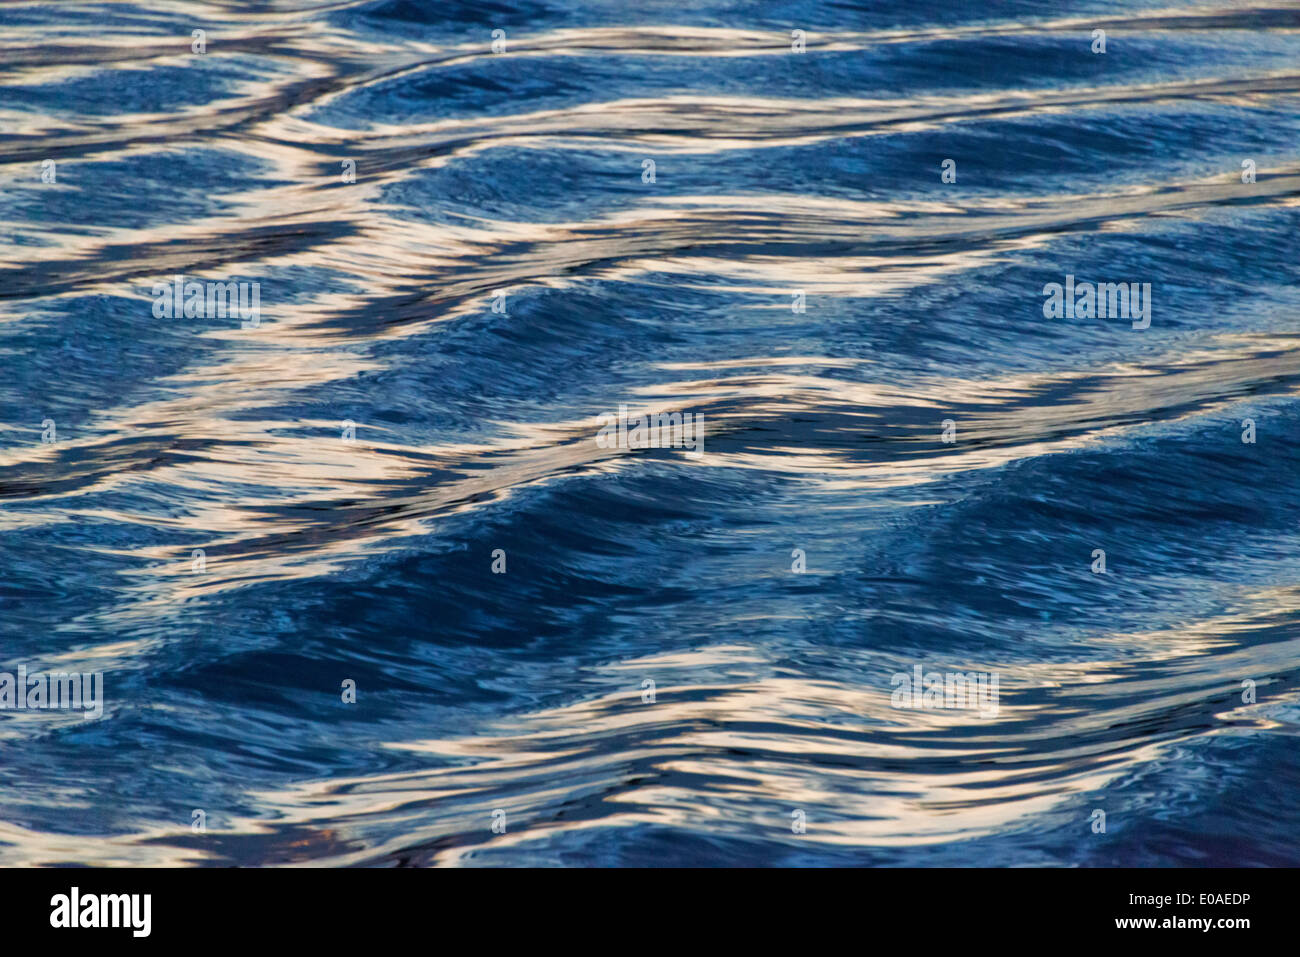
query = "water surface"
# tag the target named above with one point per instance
(332, 554)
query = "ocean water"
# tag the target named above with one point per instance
(365, 588)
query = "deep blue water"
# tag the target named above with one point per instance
(331, 556)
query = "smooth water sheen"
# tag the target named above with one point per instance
(326, 560)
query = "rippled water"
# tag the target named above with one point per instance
(131, 441)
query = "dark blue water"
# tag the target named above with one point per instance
(349, 463)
